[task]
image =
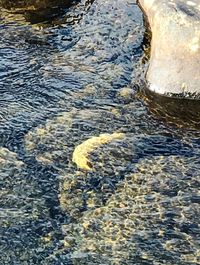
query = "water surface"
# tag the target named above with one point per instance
(62, 82)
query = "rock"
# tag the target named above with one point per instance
(34, 4)
(175, 46)
(70, 136)
(125, 93)
(81, 152)
(148, 220)
(37, 11)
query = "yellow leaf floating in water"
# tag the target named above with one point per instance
(81, 152)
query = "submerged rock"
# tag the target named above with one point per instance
(83, 190)
(175, 47)
(82, 151)
(10, 172)
(64, 138)
(8, 159)
(151, 219)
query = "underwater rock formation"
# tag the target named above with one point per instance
(70, 136)
(153, 211)
(59, 141)
(82, 190)
(55, 136)
(81, 152)
(175, 47)
(10, 171)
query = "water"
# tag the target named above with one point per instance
(132, 199)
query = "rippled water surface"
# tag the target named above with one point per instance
(89, 174)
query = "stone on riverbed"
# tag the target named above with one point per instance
(51, 144)
(175, 47)
(81, 152)
(153, 211)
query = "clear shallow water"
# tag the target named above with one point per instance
(62, 83)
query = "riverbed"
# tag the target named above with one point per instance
(130, 194)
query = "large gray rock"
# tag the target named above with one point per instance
(175, 46)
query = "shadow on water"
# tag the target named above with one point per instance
(180, 112)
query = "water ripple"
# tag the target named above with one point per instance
(63, 82)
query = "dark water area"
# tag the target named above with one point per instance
(92, 169)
